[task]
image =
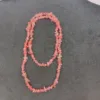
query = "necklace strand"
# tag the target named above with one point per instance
(28, 47)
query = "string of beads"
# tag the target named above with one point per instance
(28, 50)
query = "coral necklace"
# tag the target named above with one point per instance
(28, 47)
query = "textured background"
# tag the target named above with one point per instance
(80, 75)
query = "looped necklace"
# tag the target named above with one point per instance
(28, 47)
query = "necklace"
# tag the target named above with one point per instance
(28, 47)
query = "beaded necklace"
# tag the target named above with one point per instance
(28, 47)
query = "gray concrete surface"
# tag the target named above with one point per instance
(80, 75)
